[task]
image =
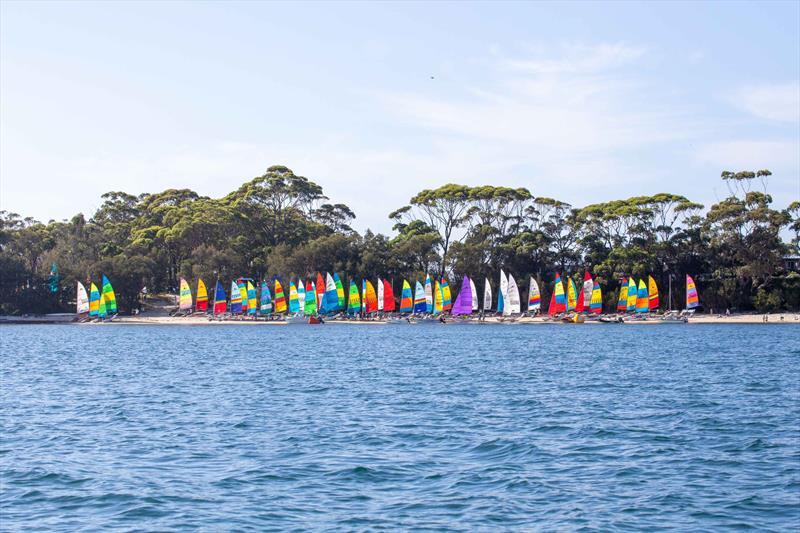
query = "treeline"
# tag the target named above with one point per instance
(282, 224)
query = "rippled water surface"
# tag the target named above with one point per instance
(393, 428)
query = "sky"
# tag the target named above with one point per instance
(583, 102)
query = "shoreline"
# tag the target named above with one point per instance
(773, 318)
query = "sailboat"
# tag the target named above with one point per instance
(447, 302)
(353, 300)
(487, 295)
(692, 298)
(512, 306)
(380, 294)
(240, 284)
(622, 303)
(294, 300)
(301, 296)
(502, 294)
(370, 298)
(109, 296)
(642, 298)
(330, 298)
(81, 302)
(388, 297)
(280, 299)
(632, 295)
(406, 298)
(585, 295)
(185, 296)
(420, 299)
(220, 300)
(236, 299)
(265, 307)
(534, 297)
(202, 296)
(428, 295)
(558, 300)
(463, 304)
(319, 289)
(251, 299)
(596, 303)
(94, 300)
(572, 294)
(474, 294)
(310, 306)
(339, 291)
(652, 290)
(102, 308)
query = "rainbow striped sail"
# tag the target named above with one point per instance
(185, 298)
(236, 299)
(81, 300)
(109, 296)
(266, 299)
(280, 299)
(428, 295)
(220, 299)
(596, 303)
(642, 298)
(420, 299)
(310, 305)
(252, 302)
(94, 300)
(692, 299)
(202, 297)
(632, 295)
(339, 291)
(558, 300)
(572, 294)
(294, 301)
(447, 299)
(622, 303)
(406, 298)
(652, 289)
(353, 301)
(534, 296)
(243, 293)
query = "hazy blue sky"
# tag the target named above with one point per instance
(582, 102)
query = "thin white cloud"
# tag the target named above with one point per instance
(577, 58)
(776, 101)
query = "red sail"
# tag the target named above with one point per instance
(388, 297)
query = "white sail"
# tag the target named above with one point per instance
(301, 294)
(474, 295)
(532, 292)
(428, 293)
(511, 305)
(83, 300)
(380, 295)
(487, 296)
(330, 284)
(503, 290)
(588, 286)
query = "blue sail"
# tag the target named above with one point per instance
(419, 299)
(330, 298)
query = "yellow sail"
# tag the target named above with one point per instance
(185, 301)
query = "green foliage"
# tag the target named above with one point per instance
(279, 224)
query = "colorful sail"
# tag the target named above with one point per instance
(652, 290)
(447, 300)
(109, 296)
(220, 299)
(319, 289)
(370, 298)
(596, 303)
(280, 299)
(487, 295)
(463, 303)
(202, 297)
(243, 293)
(310, 306)
(294, 300)
(437, 298)
(81, 300)
(94, 300)
(474, 292)
(353, 301)
(622, 303)
(632, 294)
(330, 298)
(534, 297)
(185, 297)
(236, 299)
(642, 298)
(558, 303)
(502, 294)
(428, 295)
(585, 294)
(102, 309)
(252, 302)
(341, 304)
(388, 296)
(572, 294)
(406, 298)
(692, 299)
(266, 299)
(420, 299)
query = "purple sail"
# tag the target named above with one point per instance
(463, 304)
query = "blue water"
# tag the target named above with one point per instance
(489, 428)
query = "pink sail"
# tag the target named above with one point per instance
(463, 305)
